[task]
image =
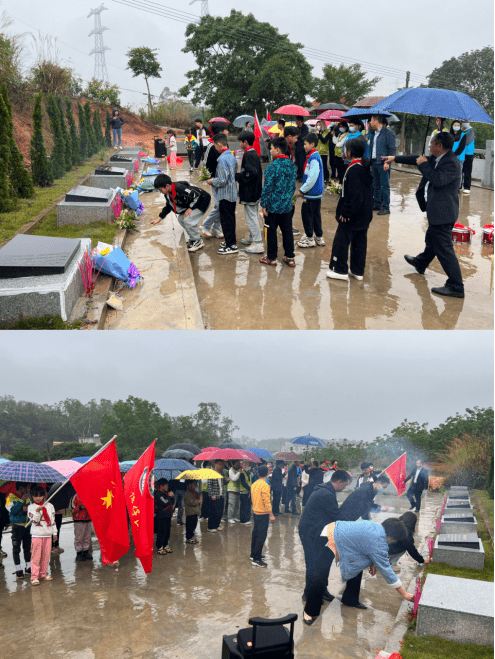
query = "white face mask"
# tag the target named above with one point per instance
(465, 125)
(342, 130)
(456, 128)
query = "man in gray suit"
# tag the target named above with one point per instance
(438, 195)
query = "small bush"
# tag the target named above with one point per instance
(102, 91)
(173, 114)
(467, 461)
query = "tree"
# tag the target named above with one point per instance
(20, 179)
(40, 165)
(57, 156)
(92, 141)
(97, 128)
(70, 450)
(103, 91)
(470, 73)
(142, 61)
(84, 145)
(65, 134)
(108, 129)
(26, 454)
(343, 84)
(74, 139)
(7, 204)
(233, 54)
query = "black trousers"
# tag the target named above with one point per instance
(216, 512)
(324, 160)
(272, 222)
(300, 160)
(311, 217)
(357, 239)
(21, 539)
(260, 531)
(162, 529)
(333, 166)
(58, 524)
(190, 155)
(414, 495)
(227, 220)
(191, 521)
(438, 242)
(340, 165)
(319, 559)
(199, 154)
(467, 170)
(277, 495)
(245, 507)
(350, 596)
(205, 506)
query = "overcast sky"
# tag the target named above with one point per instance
(405, 36)
(356, 385)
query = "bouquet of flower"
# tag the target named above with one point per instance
(294, 198)
(204, 175)
(126, 221)
(334, 188)
(190, 145)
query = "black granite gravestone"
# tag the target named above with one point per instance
(121, 159)
(457, 495)
(110, 171)
(458, 517)
(84, 194)
(35, 256)
(461, 504)
(466, 540)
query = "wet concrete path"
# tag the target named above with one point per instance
(193, 597)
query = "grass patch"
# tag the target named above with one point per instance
(95, 230)
(486, 503)
(42, 323)
(433, 647)
(27, 209)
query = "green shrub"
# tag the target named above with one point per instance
(20, 179)
(92, 141)
(108, 129)
(102, 91)
(97, 128)
(65, 134)
(7, 203)
(74, 139)
(57, 156)
(84, 146)
(40, 166)
(467, 460)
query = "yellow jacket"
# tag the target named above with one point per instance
(260, 497)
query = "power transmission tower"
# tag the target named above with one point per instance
(204, 7)
(101, 72)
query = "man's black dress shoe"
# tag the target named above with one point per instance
(355, 606)
(412, 261)
(327, 597)
(447, 291)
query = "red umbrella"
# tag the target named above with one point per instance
(288, 457)
(251, 457)
(228, 454)
(219, 119)
(203, 456)
(332, 115)
(296, 110)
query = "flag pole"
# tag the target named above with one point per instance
(68, 479)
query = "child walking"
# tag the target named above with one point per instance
(225, 193)
(192, 504)
(42, 516)
(191, 146)
(276, 202)
(82, 529)
(250, 180)
(354, 214)
(312, 191)
(164, 508)
(17, 505)
(172, 145)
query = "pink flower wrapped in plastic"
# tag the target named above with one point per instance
(129, 179)
(417, 597)
(136, 165)
(142, 154)
(431, 544)
(117, 206)
(439, 523)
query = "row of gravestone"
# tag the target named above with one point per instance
(39, 275)
(451, 607)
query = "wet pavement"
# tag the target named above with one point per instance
(194, 596)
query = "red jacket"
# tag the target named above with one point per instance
(80, 514)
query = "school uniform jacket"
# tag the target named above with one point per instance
(187, 196)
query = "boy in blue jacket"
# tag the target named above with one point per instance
(21, 534)
(276, 202)
(312, 191)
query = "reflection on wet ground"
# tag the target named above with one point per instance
(193, 597)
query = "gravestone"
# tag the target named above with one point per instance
(135, 150)
(458, 495)
(458, 523)
(123, 161)
(83, 205)
(50, 281)
(456, 609)
(106, 177)
(460, 550)
(458, 503)
(458, 508)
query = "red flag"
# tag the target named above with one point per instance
(99, 484)
(397, 474)
(138, 486)
(257, 134)
(268, 118)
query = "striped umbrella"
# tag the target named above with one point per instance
(3, 461)
(29, 472)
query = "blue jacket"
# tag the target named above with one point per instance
(470, 135)
(385, 144)
(313, 177)
(224, 185)
(280, 184)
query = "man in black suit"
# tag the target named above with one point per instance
(419, 483)
(276, 486)
(438, 195)
(300, 153)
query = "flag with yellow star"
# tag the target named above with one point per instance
(139, 498)
(397, 474)
(99, 484)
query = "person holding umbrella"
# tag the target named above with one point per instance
(21, 533)
(438, 195)
(382, 144)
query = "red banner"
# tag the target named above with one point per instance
(397, 474)
(268, 118)
(257, 134)
(138, 486)
(99, 484)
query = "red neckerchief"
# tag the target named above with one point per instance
(46, 516)
(224, 150)
(210, 140)
(308, 157)
(195, 494)
(356, 160)
(275, 157)
(250, 148)
(173, 194)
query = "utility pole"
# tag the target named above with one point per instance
(101, 72)
(402, 130)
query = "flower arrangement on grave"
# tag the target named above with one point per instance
(334, 188)
(88, 274)
(136, 165)
(417, 597)
(129, 178)
(431, 542)
(117, 206)
(204, 174)
(142, 154)
(126, 221)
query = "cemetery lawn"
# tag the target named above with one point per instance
(10, 223)
(433, 647)
(95, 230)
(42, 323)
(487, 503)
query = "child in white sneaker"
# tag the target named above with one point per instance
(312, 191)
(42, 517)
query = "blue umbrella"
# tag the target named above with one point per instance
(30, 472)
(240, 122)
(83, 459)
(364, 113)
(261, 453)
(308, 440)
(171, 468)
(430, 102)
(126, 466)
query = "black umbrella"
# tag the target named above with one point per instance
(179, 454)
(330, 106)
(62, 499)
(186, 447)
(229, 445)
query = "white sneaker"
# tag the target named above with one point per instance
(212, 530)
(320, 241)
(247, 241)
(228, 250)
(207, 233)
(335, 275)
(306, 242)
(232, 521)
(216, 233)
(467, 191)
(191, 169)
(195, 245)
(358, 277)
(246, 522)
(255, 248)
